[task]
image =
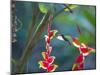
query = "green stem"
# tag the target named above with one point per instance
(31, 29)
(35, 38)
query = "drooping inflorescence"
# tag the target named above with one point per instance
(48, 61)
(84, 51)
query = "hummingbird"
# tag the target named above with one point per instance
(64, 38)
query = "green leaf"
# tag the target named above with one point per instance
(71, 7)
(45, 7)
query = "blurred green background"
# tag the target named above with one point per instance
(66, 23)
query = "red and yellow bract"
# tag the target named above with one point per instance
(84, 51)
(47, 63)
(83, 48)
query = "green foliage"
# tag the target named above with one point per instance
(71, 7)
(44, 8)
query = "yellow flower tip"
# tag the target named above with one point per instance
(54, 33)
(40, 64)
(84, 45)
(76, 42)
(74, 67)
(43, 54)
(92, 51)
(76, 45)
(56, 66)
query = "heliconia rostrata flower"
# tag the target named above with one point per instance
(83, 48)
(84, 51)
(47, 63)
